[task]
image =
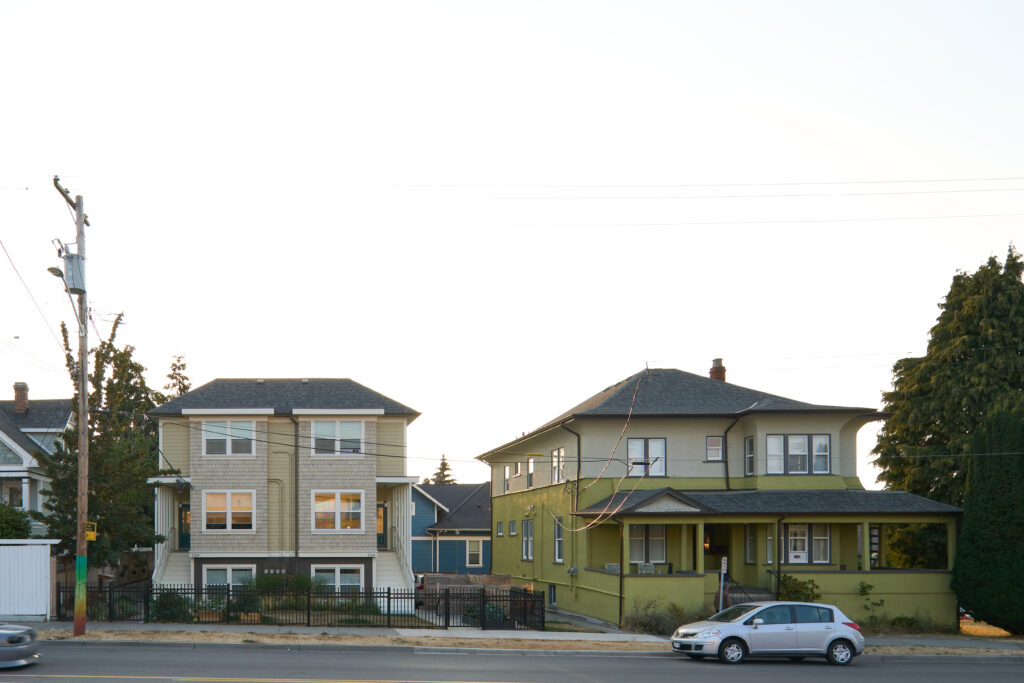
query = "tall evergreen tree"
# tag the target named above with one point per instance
(122, 455)
(974, 363)
(989, 564)
(443, 473)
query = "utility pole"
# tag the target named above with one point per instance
(74, 281)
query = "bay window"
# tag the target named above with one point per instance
(797, 454)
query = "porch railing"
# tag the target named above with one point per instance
(485, 608)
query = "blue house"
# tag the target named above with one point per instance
(451, 528)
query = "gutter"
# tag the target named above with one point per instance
(725, 451)
(779, 545)
(622, 528)
(579, 465)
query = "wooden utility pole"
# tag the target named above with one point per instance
(74, 280)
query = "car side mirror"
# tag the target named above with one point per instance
(757, 622)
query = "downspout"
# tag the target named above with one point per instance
(779, 545)
(576, 501)
(725, 452)
(622, 528)
(295, 459)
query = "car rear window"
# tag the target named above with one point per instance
(812, 614)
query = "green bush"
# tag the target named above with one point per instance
(14, 523)
(792, 588)
(659, 618)
(170, 607)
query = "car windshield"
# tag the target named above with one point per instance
(733, 613)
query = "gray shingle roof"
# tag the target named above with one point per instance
(47, 413)
(836, 502)
(674, 393)
(11, 431)
(283, 395)
(470, 506)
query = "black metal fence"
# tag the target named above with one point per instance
(485, 608)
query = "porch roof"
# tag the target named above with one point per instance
(668, 501)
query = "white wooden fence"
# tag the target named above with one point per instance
(25, 579)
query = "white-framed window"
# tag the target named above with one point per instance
(796, 544)
(557, 465)
(337, 437)
(645, 457)
(820, 543)
(336, 511)
(775, 449)
(713, 448)
(228, 574)
(527, 539)
(558, 540)
(474, 553)
(517, 468)
(504, 487)
(769, 545)
(511, 527)
(647, 543)
(796, 454)
(412, 508)
(228, 510)
(228, 437)
(529, 473)
(750, 543)
(338, 578)
(498, 529)
(748, 455)
(821, 449)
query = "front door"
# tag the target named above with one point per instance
(382, 526)
(184, 526)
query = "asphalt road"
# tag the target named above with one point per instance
(80, 663)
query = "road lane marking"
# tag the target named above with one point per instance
(221, 679)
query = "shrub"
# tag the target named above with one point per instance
(659, 618)
(792, 588)
(14, 523)
(172, 607)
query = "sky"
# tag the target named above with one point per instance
(491, 211)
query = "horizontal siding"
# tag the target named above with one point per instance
(175, 443)
(422, 556)
(390, 448)
(281, 485)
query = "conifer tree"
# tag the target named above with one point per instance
(443, 473)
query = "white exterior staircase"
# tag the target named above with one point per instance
(177, 570)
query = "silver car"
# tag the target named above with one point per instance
(18, 645)
(772, 629)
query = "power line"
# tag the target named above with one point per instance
(36, 303)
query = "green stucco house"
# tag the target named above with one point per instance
(641, 493)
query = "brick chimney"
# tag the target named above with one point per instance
(717, 370)
(20, 398)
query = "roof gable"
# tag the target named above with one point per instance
(472, 513)
(51, 414)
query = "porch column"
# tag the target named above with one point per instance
(24, 494)
(865, 548)
(950, 544)
(698, 548)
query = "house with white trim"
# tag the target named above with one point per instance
(451, 527)
(284, 476)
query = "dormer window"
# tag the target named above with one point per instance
(232, 437)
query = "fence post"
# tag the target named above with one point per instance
(540, 604)
(110, 601)
(447, 607)
(309, 603)
(227, 606)
(145, 603)
(389, 606)
(483, 609)
(60, 611)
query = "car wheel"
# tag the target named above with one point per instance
(694, 657)
(732, 651)
(840, 652)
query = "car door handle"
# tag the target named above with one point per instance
(829, 628)
(791, 628)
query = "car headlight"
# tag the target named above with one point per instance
(710, 633)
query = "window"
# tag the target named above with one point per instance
(713, 448)
(808, 543)
(227, 510)
(795, 453)
(517, 468)
(227, 438)
(646, 457)
(750, 544)
(775, 448)
(473, 554)
(338, 578)
(812, 614)
(551, 595)
(412, 508)
(769, 546)
(224, 575)
(527, 539)
(779, 614)
(558, 539)
(821, 448)
(557, 465)
(529, 473)
(504, 487)
(748, 455)
(511, 527)
(646, 543)
(337, 437)
(340, 511)
(498, 531)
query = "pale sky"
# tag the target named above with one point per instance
(490, 211)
